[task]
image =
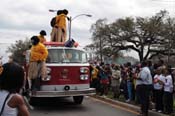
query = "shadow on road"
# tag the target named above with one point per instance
(58, 104)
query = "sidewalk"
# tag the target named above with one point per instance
(127, 106)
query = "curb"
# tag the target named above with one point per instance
(126, 105)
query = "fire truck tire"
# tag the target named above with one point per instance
(33, 101)
(78, 99)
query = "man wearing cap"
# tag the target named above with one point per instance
(60, 26)
(41, 36)
(38, 56)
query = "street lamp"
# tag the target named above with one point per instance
(71, 19)
(51, 10)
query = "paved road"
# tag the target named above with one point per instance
(90, 107)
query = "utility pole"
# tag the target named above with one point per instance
(101, 57)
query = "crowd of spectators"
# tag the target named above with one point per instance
(130, 80)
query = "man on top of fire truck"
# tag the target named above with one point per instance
(59, 30)
(41, 36)
(37, 67)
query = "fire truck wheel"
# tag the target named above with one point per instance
(78, 99)
(33, 101)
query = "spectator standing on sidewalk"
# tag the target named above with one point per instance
(123, 84)
(129, 84)
(115, 81)
(104, 81)
(168, 91)
(94, 77)
(158, 90)
(144, 91)
(138, 83)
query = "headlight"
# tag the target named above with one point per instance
(84, 70)
(48, 70)
(84, 77)
(48, 77)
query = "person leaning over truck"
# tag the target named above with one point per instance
(37, 66)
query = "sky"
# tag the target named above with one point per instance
(21, 19)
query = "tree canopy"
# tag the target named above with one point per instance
(18, 49)
(148, 36)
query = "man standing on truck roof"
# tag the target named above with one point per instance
(41, 36)
(37, 68)
(59, 30)
(54, 33)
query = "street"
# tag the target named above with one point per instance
(90, 107)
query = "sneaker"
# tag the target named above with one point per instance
(160, 111)
(104, 96)
(128, 100)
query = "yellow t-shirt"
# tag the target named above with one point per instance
(42, 39)
(94, 73)
(38, 53)
(61, 21)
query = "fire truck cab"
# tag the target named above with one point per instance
(68, 74)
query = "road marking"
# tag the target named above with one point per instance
(115, 106)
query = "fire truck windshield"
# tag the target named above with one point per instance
(66, 56)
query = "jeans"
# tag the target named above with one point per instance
(129, 88)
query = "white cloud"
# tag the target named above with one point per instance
(22, 18)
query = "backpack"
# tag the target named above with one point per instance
(69, 43)
(53, 21)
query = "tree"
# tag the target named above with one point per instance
(149, 36)
(100, 31)
(18, 50)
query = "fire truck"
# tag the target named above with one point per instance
(68, 74)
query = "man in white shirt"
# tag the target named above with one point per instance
(145, 88)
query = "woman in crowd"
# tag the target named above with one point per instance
(11, 81)
(104, 81)
(158, 90)
(115, 81)
(168, 91)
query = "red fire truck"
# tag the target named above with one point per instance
(68, 74)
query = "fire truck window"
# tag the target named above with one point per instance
(76, 56)
(66, 56)
(54, 56)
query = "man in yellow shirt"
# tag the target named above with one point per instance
(94, 77)
(54, 33)
(59, 30)
(37, 68)
(41, 36)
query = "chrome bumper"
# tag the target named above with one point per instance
(90, 91)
